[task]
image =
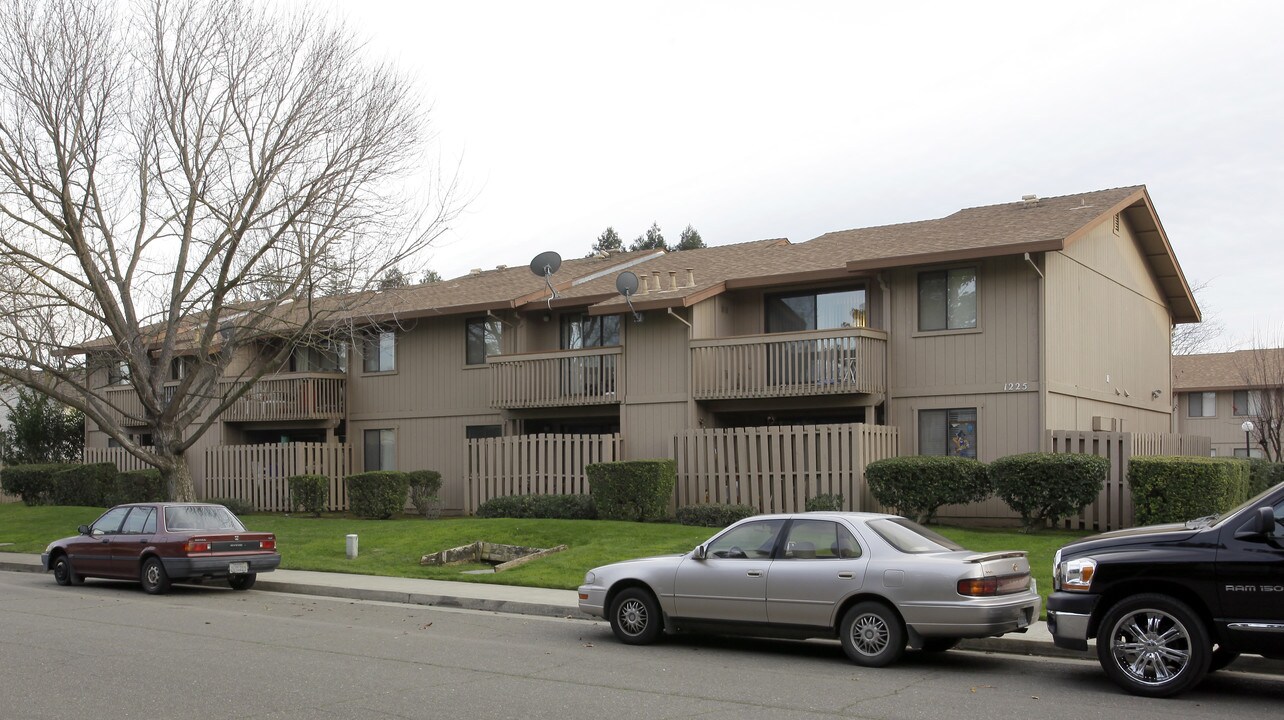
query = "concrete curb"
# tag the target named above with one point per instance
(467, 599)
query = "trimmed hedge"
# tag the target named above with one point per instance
(917, 486)
(424, 485)
(557, 507)
(379, 494)
(831, 503)
(636, 490)
(1045, 487)
(83, 485)
(309, 492)
(1177, 489)
(136, 486)
(31, 482)
(714, 515)
(1264, 474)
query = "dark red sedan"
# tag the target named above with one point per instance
(158, 543)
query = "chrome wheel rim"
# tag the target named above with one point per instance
(869, 634)
(632, 617)
(1151, 647)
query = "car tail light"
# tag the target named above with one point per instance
(269, 544)
(991, 586)
(196, 546)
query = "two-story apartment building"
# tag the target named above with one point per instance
(1217, 392)
(973, 334)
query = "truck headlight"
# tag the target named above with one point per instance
(1076, 575)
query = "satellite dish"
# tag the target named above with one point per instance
(544, 265)
(627, 284)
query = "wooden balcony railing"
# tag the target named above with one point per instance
(557, 379)
(290, 396)
(820, 362)
(287, 396)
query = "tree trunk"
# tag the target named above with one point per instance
(178, 480)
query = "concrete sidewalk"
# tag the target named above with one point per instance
(557, 603)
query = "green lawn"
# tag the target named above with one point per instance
(394, 547)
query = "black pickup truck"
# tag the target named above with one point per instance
(1170, 603)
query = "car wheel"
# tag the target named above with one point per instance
(940, 644)
(635, 617)
(1221, 657)
(872, 634)
(1153, 646)
(155, 580)
(242, 582)
(64, 574)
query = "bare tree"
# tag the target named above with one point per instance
(1262, 371)
(206, 180)
(1206, 336)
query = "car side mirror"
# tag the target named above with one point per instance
(83, 529)
(699, 552)
(1261, 523)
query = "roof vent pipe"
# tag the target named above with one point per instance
(646, 283)
(1030, 200)
(673, 279)
(658, 285)
(690, 277)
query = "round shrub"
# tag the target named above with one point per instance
(1046, 487)
(310, 492)
(424, 485)
(378, 494)
(557, 507)
(714, 514)
(86, 485)
(917, 486)
(1177, 489)
(136, 486)
(633, 490)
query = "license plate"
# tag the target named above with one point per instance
(238, 568)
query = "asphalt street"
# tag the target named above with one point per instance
(106, 650)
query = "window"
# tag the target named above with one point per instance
(201, 517)
(910, 537)
(820, 540)
(475, 432)
(327, 356)
(109, 523)
(181, 366)
(380, 352)
(795, 312)
(947, 432)
(751, 540)
(381, 450)
(139, 521)
(483, 335)
(1256, 453)
(947, 299)
(1202, 404)
(586, 331)
(1247, 402)
(118, 373)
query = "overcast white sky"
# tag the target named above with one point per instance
(754, 120)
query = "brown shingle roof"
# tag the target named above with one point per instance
(1226, 371)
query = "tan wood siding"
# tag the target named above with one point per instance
(1109, 335)
(648, 428)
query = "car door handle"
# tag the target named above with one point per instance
(847, 575)
(755, 573)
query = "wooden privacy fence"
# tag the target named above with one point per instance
(777, 468)
(257, 473)
(1113, 508)
(124, 461)
(541, 464)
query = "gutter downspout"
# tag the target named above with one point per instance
(1044, 444)
(887, 358)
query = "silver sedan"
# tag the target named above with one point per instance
(880, 583)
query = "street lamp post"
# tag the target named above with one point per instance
(1247, 427)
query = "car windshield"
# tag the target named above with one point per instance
(910, 537)
(201, 517)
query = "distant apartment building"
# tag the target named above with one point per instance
(1218, 392)
(974, 334)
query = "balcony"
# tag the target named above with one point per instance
(557, 379)
(125, 407)
(820, 362)
(290, 396)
